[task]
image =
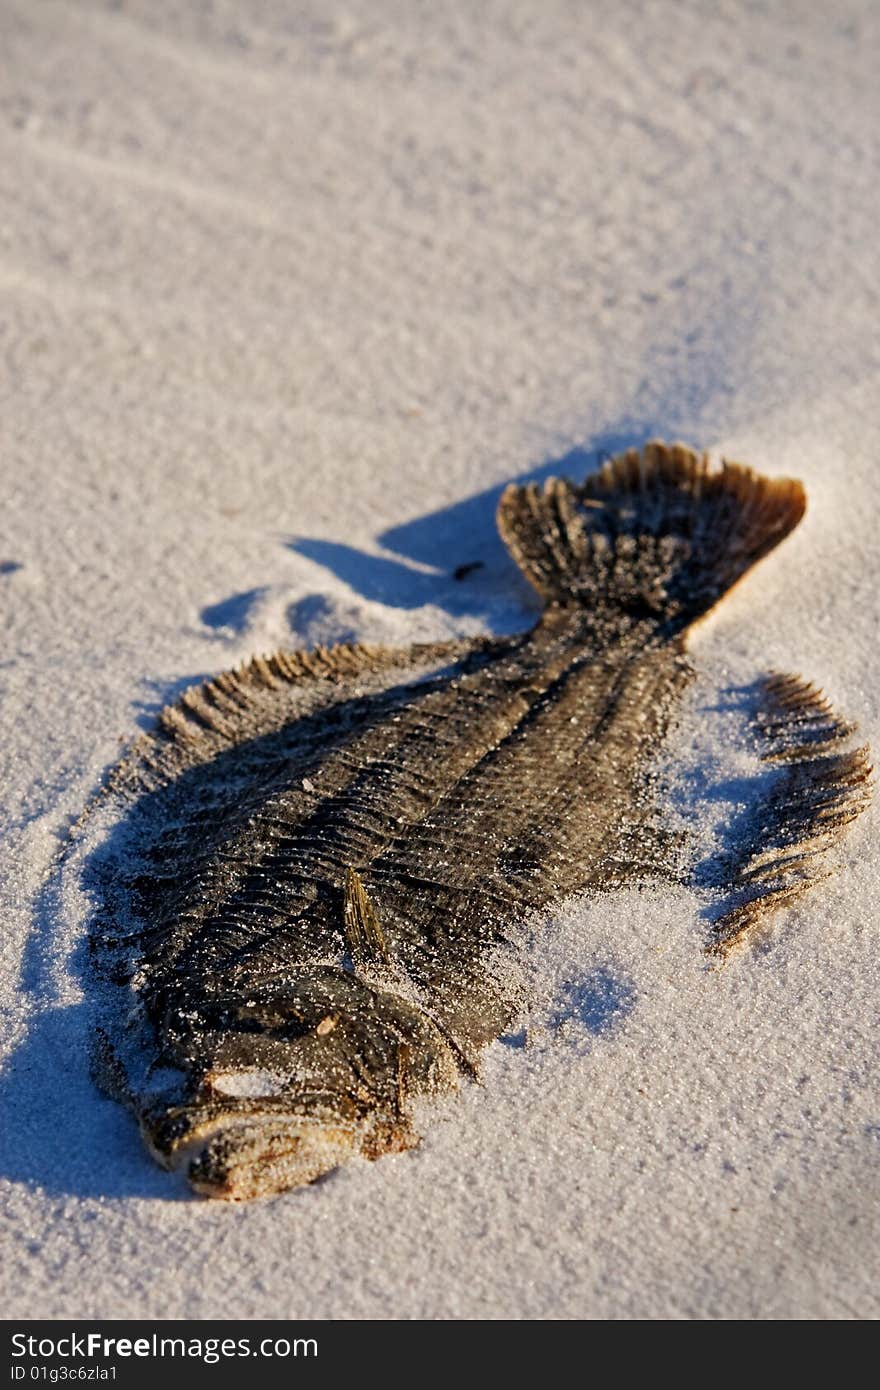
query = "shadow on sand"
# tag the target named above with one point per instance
(424, 554)
(59, 1133)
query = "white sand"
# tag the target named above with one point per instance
(289, 291)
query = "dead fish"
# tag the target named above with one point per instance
(327, 853)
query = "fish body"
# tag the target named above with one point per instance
(327, 854)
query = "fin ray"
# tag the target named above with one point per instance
(363, 932)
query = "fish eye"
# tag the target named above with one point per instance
(250, 1084)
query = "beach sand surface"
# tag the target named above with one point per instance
(287, 294)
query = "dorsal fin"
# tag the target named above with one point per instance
(363, 932)
(264, 695)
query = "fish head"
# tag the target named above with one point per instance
(284, 1083)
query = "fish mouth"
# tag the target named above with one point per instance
(235, 1156)
(238, 1166)
(236, 1160)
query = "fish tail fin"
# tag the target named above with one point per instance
(654, 533)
